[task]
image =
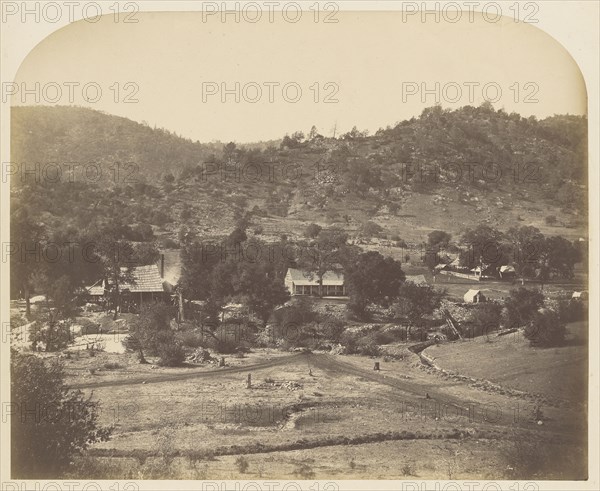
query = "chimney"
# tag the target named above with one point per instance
(162, 266)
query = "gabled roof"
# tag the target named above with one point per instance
(97, 289)
(302, 278)
(471, 294)
(145, 279)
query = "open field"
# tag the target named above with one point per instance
(510, 361)
(314, 416)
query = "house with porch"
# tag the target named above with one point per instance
(144, 285)
(300, 282)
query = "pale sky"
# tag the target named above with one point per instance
(374, 62)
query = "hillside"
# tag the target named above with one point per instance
(438, 171)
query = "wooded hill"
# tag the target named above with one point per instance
(437, 171)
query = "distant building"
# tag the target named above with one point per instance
(474, 296)
(145, 285)
(484, 271)
(299, 282)
(507, 272)
(580, 295)
(418, 279)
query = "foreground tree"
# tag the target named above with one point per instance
(327, 252)
(545, 329)
(438, 240)
(417, 301)
(521, 306)
(527, 249)
(50, 424)
(259, 288)
(371, 278)
(483, 246)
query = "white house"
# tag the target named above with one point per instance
(299, 282)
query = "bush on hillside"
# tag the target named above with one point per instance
(545, 329)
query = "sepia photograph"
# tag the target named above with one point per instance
(299, 246)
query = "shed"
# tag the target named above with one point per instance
(417, 279)
(580, 295)
(474, 296)
(507, 271)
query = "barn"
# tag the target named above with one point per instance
(300, 282)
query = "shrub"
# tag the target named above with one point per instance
(358, 344)
(44, 447)
(333, 329)
(304, 471)
(521, 306)
(54, 335)
(545, 329)
(112, 366)
(371, 229)
(370, 349)
(169, 351)
(551, 220)
(485, 318)
(312, 230)
(571, 310)
(226, 340)
(242, 464)
(350, 342)
(191, 339)
(186, 213)
(408, 469)
(151, 330)
(417, 334)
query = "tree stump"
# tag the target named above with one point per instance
(249, 381)
(376, 366)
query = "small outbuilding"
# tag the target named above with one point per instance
(474, 296)
(417, 279)
(507, 272)
(580, 295)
